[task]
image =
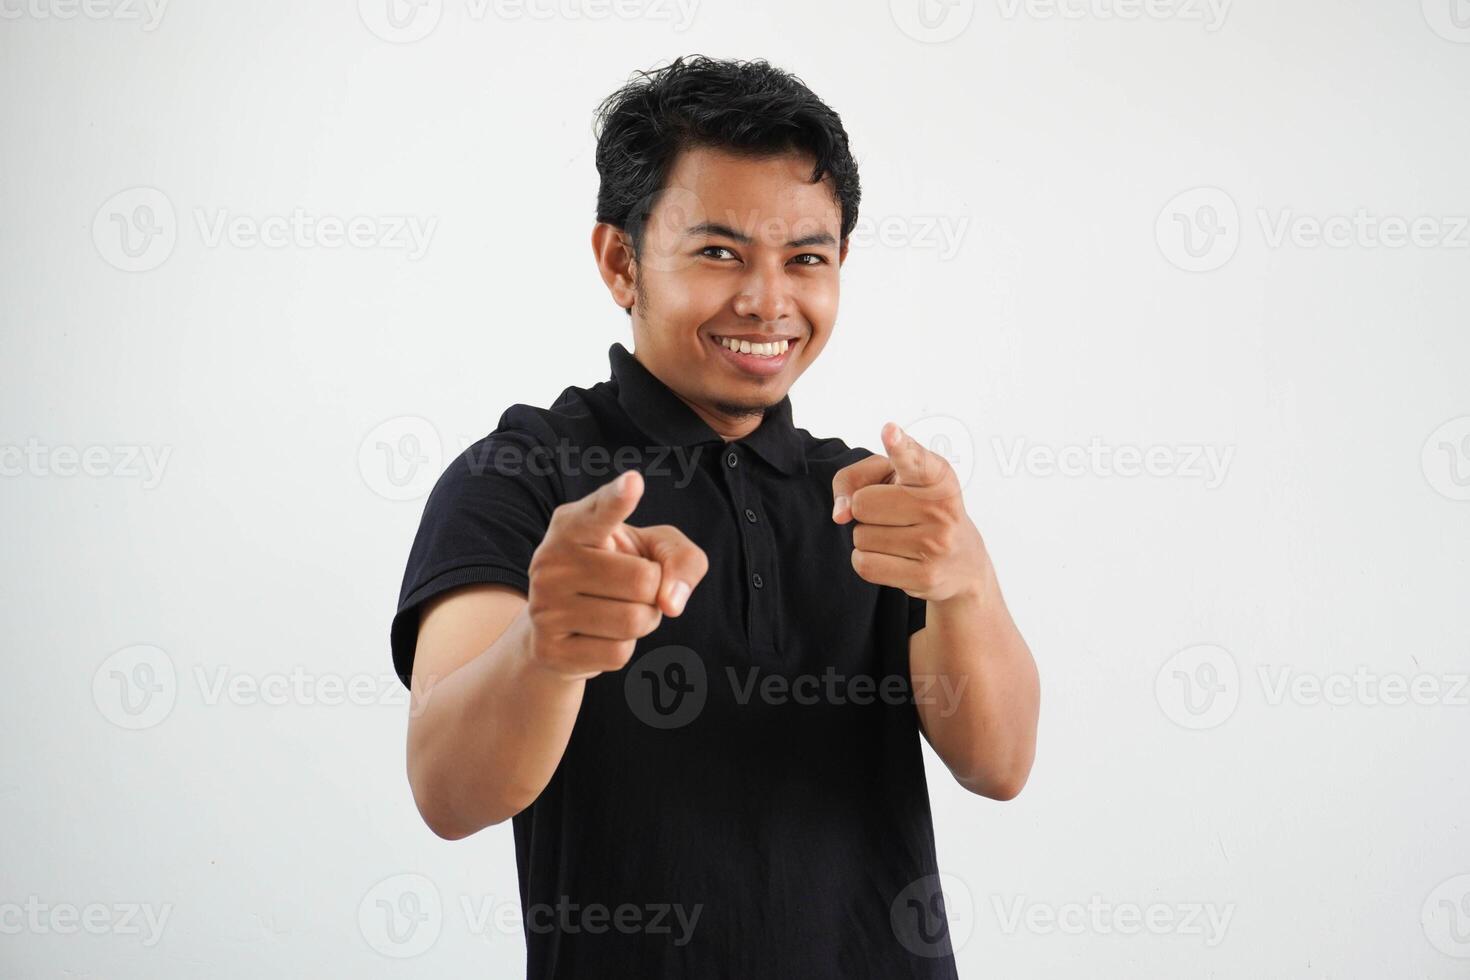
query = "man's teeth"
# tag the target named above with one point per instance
(760, 350)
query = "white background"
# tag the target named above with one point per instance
(273, 826)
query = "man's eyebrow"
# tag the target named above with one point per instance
(717, 230)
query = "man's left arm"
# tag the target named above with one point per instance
(975, 683)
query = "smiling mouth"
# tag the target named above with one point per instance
(773, 347)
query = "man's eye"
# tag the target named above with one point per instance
(715, 248)
(820, 259)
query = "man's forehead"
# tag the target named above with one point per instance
(770, 199)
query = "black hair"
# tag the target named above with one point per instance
(695, 101)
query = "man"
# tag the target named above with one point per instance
(697, 688)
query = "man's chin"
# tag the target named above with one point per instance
(741, 410)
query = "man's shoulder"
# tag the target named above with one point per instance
(524, 444)
(572, 416)
(829, 451)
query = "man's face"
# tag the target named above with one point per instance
(738, 251)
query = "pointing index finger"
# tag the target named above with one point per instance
(594, 518)
(915, 464)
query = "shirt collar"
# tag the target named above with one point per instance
(664, 416)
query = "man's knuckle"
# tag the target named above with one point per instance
(646, 578)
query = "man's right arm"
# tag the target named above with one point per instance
(498, 677)
(489, 724)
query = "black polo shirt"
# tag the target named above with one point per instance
(746, 798)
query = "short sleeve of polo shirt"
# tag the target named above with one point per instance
(482, 523)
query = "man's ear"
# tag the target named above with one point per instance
(614, 254)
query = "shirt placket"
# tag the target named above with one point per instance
(757, 547)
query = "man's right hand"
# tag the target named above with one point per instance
(598, 584)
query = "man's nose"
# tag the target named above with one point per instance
(765, 294)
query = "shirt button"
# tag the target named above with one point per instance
(757, 581)
(731, 459)
(750, 515)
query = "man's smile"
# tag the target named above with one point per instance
(761, 355)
